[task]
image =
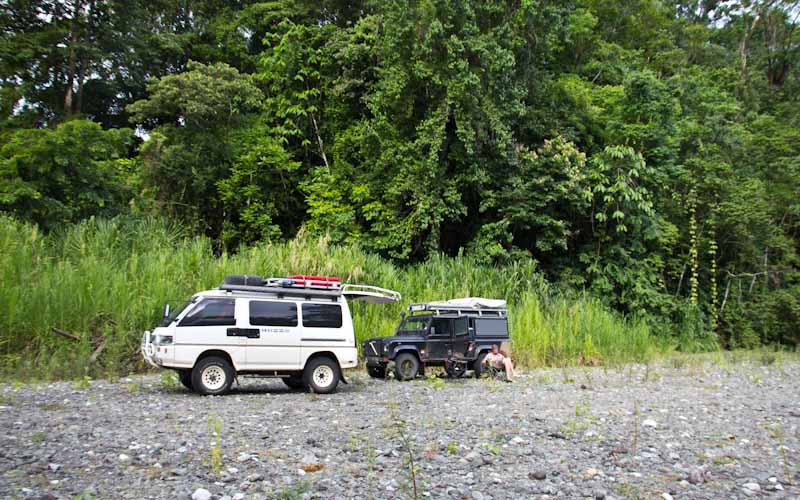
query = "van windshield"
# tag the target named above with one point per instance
(174, 313)
(412, 325)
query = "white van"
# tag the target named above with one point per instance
(297, 328)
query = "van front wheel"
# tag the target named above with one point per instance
(185, 376)
(322, 375)
(212, 375)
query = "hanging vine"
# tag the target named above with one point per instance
(712, 278)
(693, 280)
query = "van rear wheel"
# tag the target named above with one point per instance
(322, 375)
(212, 376)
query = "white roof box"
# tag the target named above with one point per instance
(477, 302)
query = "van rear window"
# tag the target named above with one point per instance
(264, 313)
(322, 315)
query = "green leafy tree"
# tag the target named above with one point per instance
(192, 116)
(260, 196)
(66, 174)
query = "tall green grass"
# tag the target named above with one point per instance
(111, 279)
(552, 330)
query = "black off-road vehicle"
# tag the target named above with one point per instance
(455, 334)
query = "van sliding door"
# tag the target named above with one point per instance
(277, 344)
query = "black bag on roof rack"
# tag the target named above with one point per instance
(243, 280)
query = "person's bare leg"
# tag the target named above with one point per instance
(510, 373)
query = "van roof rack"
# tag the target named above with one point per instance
(309, 287)
(295, 285)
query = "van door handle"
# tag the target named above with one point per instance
(250, 333)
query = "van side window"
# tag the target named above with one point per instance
(265, 313)
(211, 312)
(322, 315)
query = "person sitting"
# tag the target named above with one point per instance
(496, 360)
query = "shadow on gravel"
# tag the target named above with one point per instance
(276, 387)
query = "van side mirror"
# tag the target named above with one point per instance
(166, 310)
(402, 314)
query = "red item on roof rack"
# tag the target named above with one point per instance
(320, 281)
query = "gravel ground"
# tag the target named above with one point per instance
(683, 428)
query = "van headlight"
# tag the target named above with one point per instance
(163, 339)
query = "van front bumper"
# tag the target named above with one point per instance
(148, 349)
(154, 354)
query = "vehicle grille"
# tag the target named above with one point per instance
(373, 348)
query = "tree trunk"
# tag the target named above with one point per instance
(79, 95)
(57, 66)
(744, 47)
(89, 38)
(73, 41)
(319, 142)
(778, 39)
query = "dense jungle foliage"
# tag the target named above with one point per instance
(645, 153)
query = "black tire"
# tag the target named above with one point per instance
(377, 371)
(185, 376)
(294, 382)
(477, 365)
(406, 366)
(322, 375)
(212, 376)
